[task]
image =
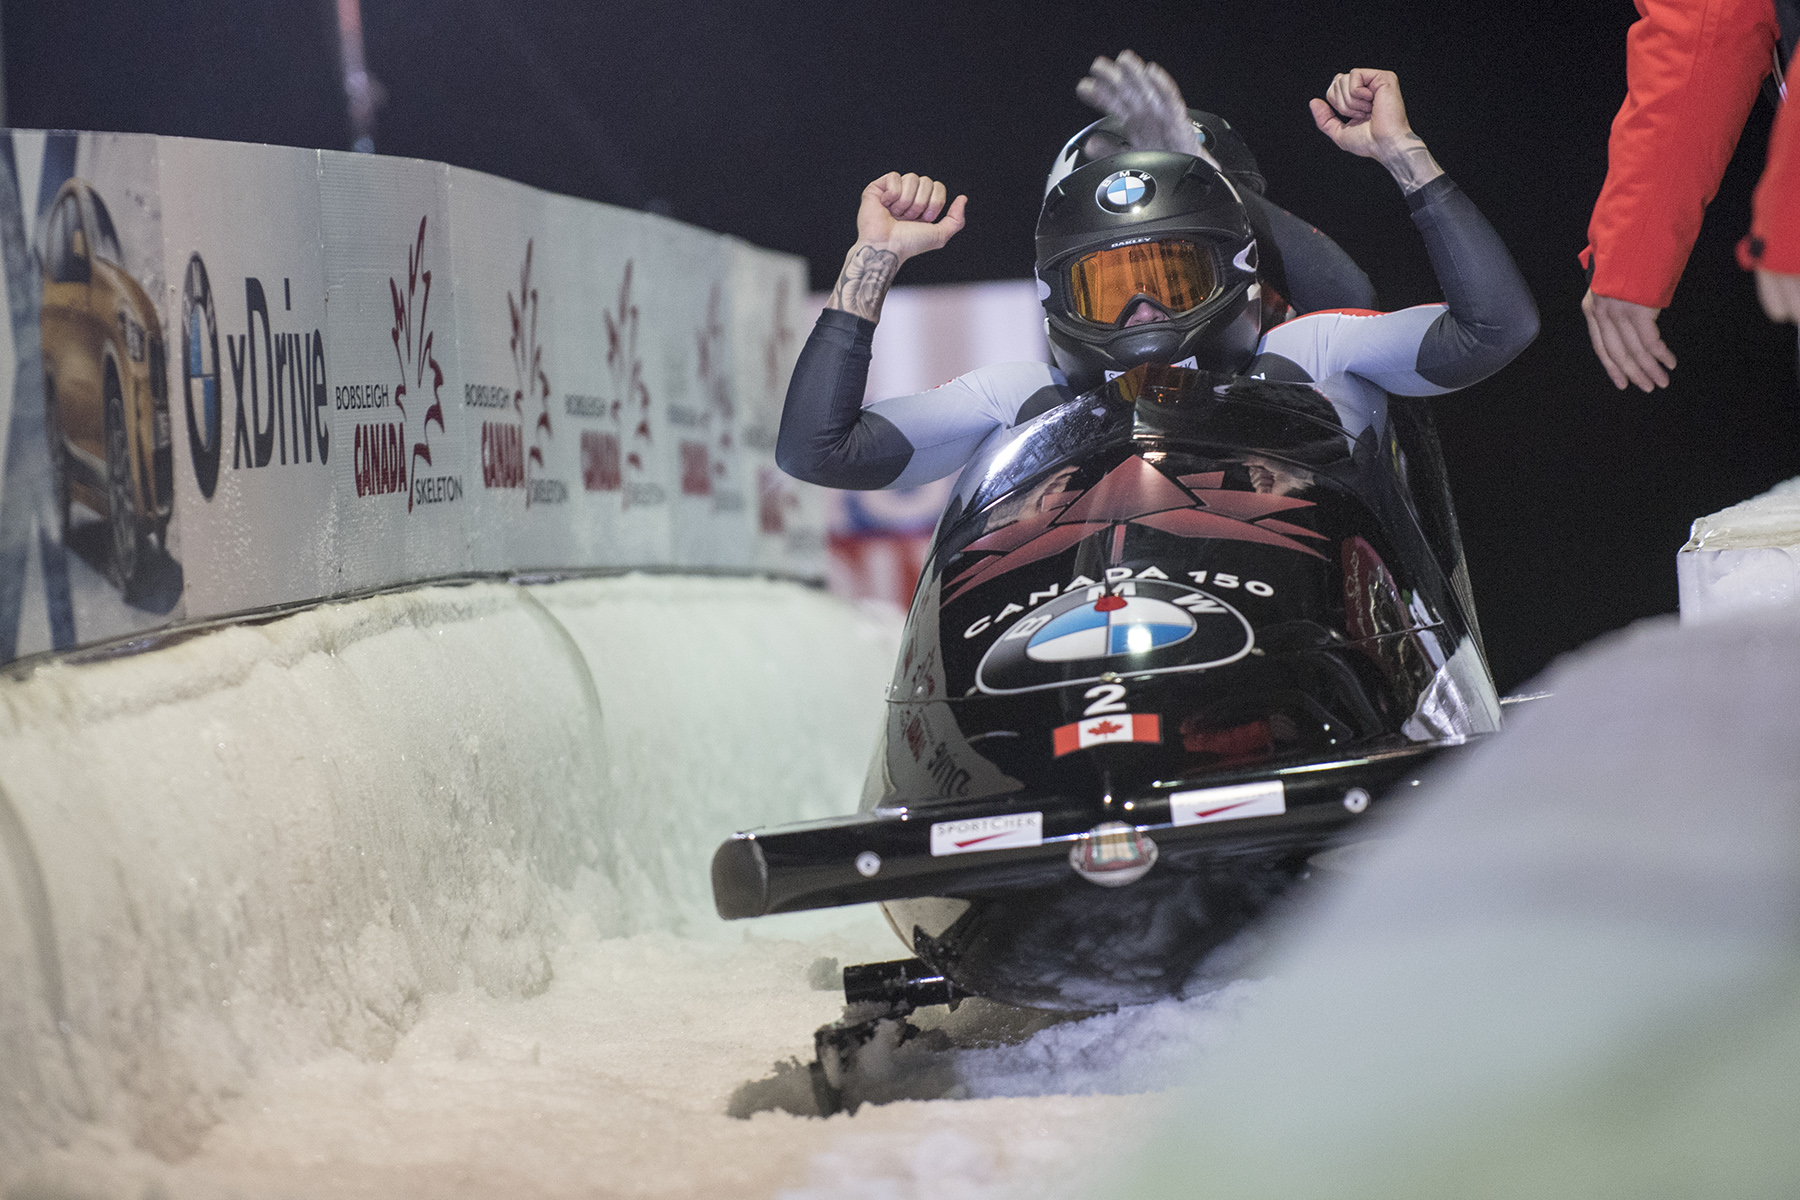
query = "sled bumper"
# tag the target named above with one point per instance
(895, 854)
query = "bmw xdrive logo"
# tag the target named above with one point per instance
(1125, 191)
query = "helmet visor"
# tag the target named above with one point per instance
(1177, 274)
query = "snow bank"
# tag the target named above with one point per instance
(267, 844)
(1742, 558)
(1572, 971)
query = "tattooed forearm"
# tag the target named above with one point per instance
(1411, 164)
(863, 283)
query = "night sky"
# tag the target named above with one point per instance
(766, 119)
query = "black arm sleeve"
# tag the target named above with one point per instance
(1310, 269)
(1491, 315)
(826, 438)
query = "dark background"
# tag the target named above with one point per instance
(765, 118)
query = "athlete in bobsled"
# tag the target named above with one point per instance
(1196, 602)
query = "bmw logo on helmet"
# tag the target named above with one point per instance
(1124, 191)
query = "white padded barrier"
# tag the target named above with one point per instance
(271, 841)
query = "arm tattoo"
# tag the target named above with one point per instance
(863, 283)
(1412, 165)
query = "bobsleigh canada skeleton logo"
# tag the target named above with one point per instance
(414, 352)
(512, 451)
(532, 385)
(705, 463)
(602, 459)
(632, 399)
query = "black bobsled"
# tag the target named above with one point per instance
(1173, 639)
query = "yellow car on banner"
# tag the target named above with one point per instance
(105, 386)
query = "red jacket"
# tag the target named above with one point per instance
(1774, 241)
(1693, 68)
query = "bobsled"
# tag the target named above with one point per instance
(1174, 639)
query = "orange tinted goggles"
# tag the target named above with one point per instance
(1176, 274)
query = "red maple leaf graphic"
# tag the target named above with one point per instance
(1136, 493)
(631, 394)
(528, 361)
(715, 377)
(1103, 727)
(413, 349)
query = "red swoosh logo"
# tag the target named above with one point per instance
(1208, 812)
(986, 837)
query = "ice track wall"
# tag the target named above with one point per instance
(271, 841)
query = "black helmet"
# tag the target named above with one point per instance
(1216, 135)
(1147, 226)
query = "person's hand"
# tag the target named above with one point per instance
(898, 218)
(1628, 343)
(1146, 101)
(899, 214)
(1364, 114)
(1780, 295)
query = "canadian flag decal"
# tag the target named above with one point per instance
(1120, 727)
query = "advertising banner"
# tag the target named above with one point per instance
(237, 376)
(391, 348)
(89, 548)
(608, 393)
(251, 396)
(517, 510)
(710, 518)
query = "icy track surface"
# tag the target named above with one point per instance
(615, 1082)
(409, 896)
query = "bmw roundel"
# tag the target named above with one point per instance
(1108, 626)
(1125, 191)
(1145, 627)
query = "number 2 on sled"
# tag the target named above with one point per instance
(1106, 697)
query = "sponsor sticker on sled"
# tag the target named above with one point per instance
(1009, 832)
(1118, 727)
(1265, 799)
